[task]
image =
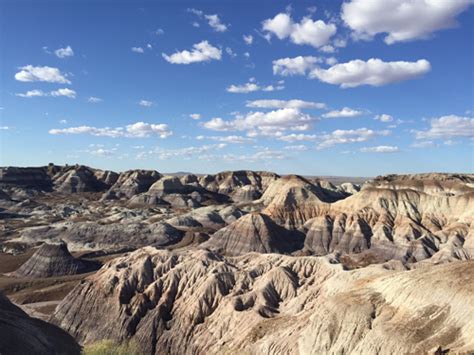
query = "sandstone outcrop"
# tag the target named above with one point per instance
(192, 302)
(254, 232)
(53, 260)
(33, 178)
(81, 178)
(292, 200)
(132, 182)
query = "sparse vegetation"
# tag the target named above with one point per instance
(109, 347)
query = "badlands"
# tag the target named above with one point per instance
(239, 262)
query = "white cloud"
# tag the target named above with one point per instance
(64, 92)
(195, 116)
(307, 32)
(215, 22)
(202, 52)
(187, 151)
(248, 39)
(275, 104)
(230, 52)
(56, 93)
(137, 49)
(4, 128)
(401, 20)
(30, 73)
(266, 155)
(94, 100)
(253, 86)
(447, 127)
(341, 136)
(298, 137)
(380, 149)
(345, 112)
(135, 130)
(295, 66)
(63, 121)
(159, 32)
(243, 89)
(146, 103)
(296, 148)
(142, 129)
(33, 93)
(218, 124)
(101, 152)
(384, 118)
(373, 72)
(424, 144)
(271, 123)
(227, 139)
(64, 52)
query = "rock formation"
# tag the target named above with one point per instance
(52, 260)
(132, 182)
(292, 200)
(407, 219)
(21, 334)
(34, 178)
(81, 178)
(254, 232)
(230, 182)
(192, 302)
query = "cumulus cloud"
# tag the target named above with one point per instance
(187, 152)
(400, 19)
(345, 112)
(307, 32)
(94, 100)
(341, 136)
(146, 103)
(102, 152)
(55, 93)
(296, 148)
(195, 116)
(227, 139)
(33, 93)
(248, 39)
(201, 52)
(374, 72)
(253, 86)
(135, 130)
(297, 137)
(275, 104)
(64, 52)
(272, 123)
(137, 49)
(30, 73)
(380, 149)
(384, 118)
(424, 144)
(215, 22)
(64, 92)
(447, 127)
(295, 66)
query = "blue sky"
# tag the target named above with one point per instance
(311, 87)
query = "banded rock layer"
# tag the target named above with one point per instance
(198, 302)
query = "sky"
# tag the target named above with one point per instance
(348, 88)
